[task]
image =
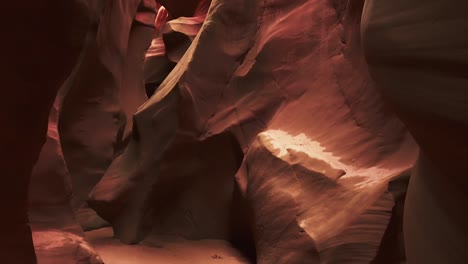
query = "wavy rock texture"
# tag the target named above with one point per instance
(96, 115)
(418, 56)
(268, 132)
(157, 66)
(171, 40)
(57, 236)
(82, 131)
(56, 233)
(87, 126)
(343, 208)
(280, 90)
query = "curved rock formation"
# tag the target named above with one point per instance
(172, 39)
(157, 66)
(108, 87)
(286, 87)
(264, 128)
(57, 235)
(87, 130)
(418, 55)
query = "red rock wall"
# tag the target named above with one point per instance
(418, 55)
(269, 132)
(84, 124)
(288, 82)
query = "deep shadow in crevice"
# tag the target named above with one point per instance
(241, 229)
(196, 195)
(392, 247)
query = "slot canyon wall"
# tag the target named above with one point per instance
(259, 122)
(421, 71)
(38, 53)
(315, 145)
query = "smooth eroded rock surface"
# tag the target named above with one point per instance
(420, 69)
(286, 85)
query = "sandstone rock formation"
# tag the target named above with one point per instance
(157, 66)
(96, 116)
(270, 125)
(287, 94)
(57, 235)
(172, 39)
(82, 136)
(421, 71)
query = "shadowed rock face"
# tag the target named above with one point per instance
(392, 247)
(180, 8)
(287, 82)
(89, 122)
(90, 110)
(38, 53)
(96, 116)
(418, 68)
(92, 114)
(268, 132)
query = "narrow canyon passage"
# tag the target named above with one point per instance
(235, 132)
